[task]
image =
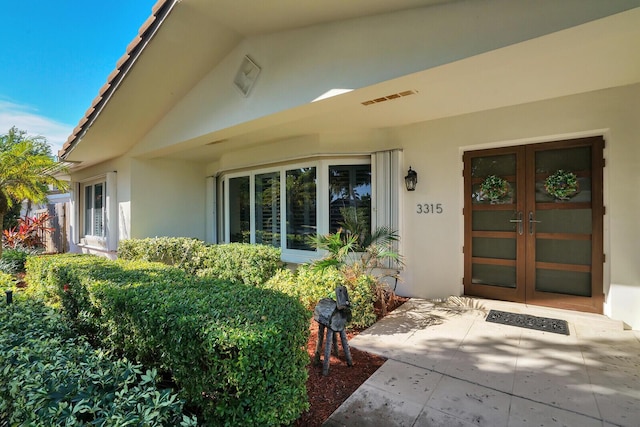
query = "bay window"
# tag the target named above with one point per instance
(284, 206)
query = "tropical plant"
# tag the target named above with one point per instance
(26, 171)
(360, 254)
(28, 233)
(371, 252)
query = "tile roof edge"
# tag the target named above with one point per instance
(159, 11)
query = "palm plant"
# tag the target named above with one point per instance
(26, 174)
(357, 252)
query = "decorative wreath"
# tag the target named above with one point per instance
(561, 185)
(494, 188)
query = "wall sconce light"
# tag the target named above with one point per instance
(411, 179)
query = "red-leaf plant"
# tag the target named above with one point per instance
(29, 232)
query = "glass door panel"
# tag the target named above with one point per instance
(533, 223)
(564, 208)
(563, 282)
(494, 275)
(573, 221)
(499, 248)
(577, 252)
(494, 220)
(494, 223)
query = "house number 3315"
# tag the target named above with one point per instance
(429, 208)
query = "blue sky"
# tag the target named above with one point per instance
(56, 55)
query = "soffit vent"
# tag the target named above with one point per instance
(246, 76)
(390, 97)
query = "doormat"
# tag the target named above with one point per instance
(546, 324)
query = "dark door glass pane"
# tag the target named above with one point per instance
(564, 221)
(564, 251)
(484, 247)
(494, 275)
(493, 165)
(494, 220)
(563, 282)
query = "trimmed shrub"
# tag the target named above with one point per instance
(240, 263)
(13, 259)
(234, 262)
(236, 351)
(181, 252)
(49, 377)
(6, 281)
(309, 285)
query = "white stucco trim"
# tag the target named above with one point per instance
(211, 233)
(106, 245)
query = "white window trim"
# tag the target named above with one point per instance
(109, 241)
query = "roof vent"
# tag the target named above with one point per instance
(390, 97)
(246, 76)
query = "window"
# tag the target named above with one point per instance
(286, 205)
(267, 208)
(350, 198)
(95, 213)
(301, 207)
(239, 209)
(94, 209)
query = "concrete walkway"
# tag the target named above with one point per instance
(447, 366)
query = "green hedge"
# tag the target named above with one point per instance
(181, 252)
(309, 285)
(6, 281)
(240, 263)
(49, 377)
(13, 259)
(235, 262)
(236, 351)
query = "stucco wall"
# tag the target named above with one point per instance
(434, 250)
(169, 198)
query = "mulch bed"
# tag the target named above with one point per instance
(326, 394)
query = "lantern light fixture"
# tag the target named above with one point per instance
(411, 179)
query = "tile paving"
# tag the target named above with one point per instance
(448, 367)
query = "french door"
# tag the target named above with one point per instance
(533, 224)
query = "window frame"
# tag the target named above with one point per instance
(83, 208)
(322, 199)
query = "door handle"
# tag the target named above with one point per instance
(531, 222)
(519, 221)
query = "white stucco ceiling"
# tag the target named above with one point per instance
(197, 35)
(200, 33)
(597, 55)
(249, 18)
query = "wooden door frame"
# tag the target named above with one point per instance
(595, 303)
(516, 294)
(525, 199)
